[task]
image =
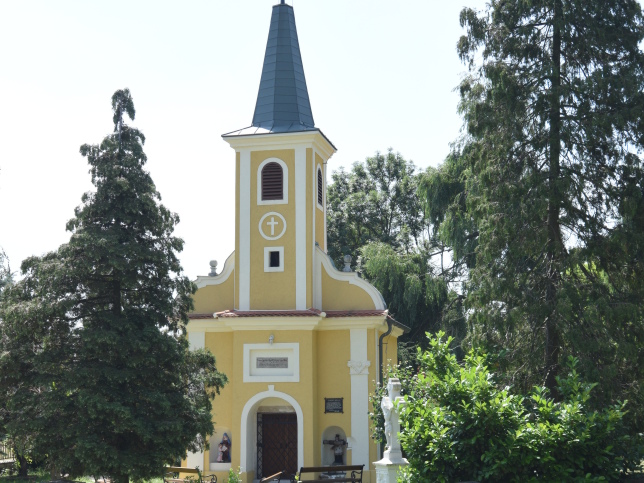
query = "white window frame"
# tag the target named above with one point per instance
(317, 173)
(267, 259)
(284, 199)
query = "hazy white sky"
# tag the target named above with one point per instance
(380, 74)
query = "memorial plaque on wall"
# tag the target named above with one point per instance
(333, 405)
(272, 362)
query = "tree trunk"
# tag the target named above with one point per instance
(553, 253)
(23, 465)
(120, 478)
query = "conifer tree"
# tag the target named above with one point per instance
(554, 110)
(94, 362)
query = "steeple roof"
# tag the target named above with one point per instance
(283, 99)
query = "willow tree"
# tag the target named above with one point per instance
(554, 112)
(94, 363)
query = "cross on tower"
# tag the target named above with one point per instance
(272, 224)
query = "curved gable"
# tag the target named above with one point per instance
(343, 290)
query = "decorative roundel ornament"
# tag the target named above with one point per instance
(272, 226)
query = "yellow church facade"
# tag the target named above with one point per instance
(301, 342)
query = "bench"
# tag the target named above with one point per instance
(281, 476)
(355, 477)
(171, 475)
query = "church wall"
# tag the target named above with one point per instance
(319, 214)
(215, 298)
(220, 344)
(340, 295)
(282, 284)
(372, 348)
(300, 391)
(334, 381)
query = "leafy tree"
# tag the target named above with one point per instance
(94, 362)
(460, 424)
(553, 108)
(375, 202)
(375, 211)
(6, 276)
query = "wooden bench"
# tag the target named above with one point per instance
(281, 476)
(171, 475)
(355, 477)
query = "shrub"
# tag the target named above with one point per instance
(459, 425)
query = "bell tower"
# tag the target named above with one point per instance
(281, 182)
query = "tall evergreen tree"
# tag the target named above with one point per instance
(94, 362)
(554, 109)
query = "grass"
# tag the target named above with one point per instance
(41, 476)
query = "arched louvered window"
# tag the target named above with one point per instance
(320, 188)
(272, 182)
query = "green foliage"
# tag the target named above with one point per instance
(6, 276)
(541, 201)
(95, 368)
(234, 476)
(375, 202)
(460, 424)
(375, 211)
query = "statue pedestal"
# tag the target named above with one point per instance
(388, 467)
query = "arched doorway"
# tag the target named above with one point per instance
(276, 441)
(272, 422)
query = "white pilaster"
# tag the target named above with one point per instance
(359, 370)
(244, 229)
(300, 228)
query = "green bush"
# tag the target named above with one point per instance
(458, 425)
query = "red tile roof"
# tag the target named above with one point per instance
(289, 313)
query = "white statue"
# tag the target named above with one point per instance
(391, 405)
(388, 468)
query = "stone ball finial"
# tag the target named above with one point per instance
(213, 268)
(347, 263)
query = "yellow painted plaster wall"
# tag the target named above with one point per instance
(215, 298)
(220, 344)
(301, 391)
(334, 380)
(340, 295)
(319, 214)
(272, 290)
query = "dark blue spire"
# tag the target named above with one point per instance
(283, 100)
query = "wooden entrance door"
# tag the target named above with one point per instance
(276, 443)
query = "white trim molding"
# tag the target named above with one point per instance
(273, 214)
(359, 396)
(324, 262)
(276, 141)
(244, 229)
(288, 351)
(229, 266)
(358, 367)
(320, 174)
(267, 259)
(300, 228)
(284, 200)
(248, 451)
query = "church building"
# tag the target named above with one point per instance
(301, 342)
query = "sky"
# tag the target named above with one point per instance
(380, 75)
